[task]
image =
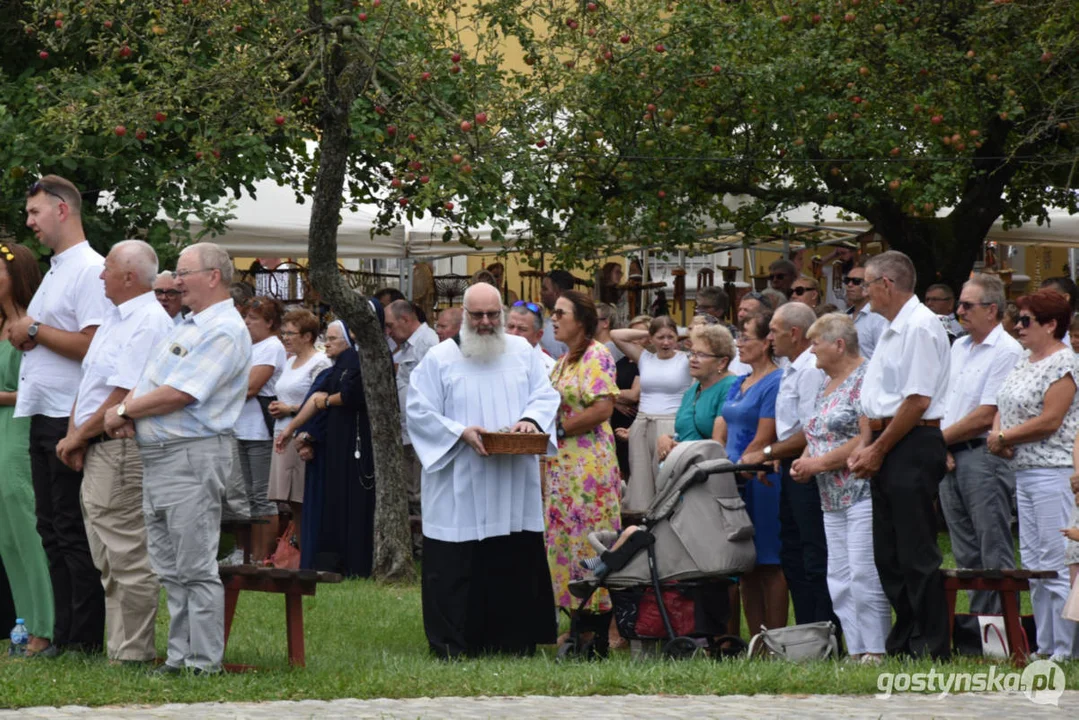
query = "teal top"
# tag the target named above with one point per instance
(700, 408)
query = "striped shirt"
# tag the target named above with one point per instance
(207, 356)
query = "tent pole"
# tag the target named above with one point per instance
(682, 263)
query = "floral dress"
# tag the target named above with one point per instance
(583, 479)
(834, 424)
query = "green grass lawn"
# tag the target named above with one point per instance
(365, 640)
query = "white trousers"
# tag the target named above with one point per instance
(1045, 501)
(858, 598)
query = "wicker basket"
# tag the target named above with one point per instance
(509, 443)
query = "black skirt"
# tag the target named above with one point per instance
(488, 596)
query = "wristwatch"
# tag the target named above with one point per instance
(121, 410)
(560, 432)
(768, 452)
(31, 331)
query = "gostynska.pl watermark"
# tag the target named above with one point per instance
(1042, 681)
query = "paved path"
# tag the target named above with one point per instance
(987, 706)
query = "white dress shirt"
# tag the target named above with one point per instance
(71, 297)
(119, 351)
(797, 395)
(976, 372)
(911, 358)
(869, 326)
(408, 356)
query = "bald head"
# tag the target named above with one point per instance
(482, 293)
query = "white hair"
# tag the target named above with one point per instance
(483, 348)
(212, 257)
(138, 257)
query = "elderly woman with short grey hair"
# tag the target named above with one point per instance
(831, 436)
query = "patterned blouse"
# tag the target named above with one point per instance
(834, 424)
(1022, 397)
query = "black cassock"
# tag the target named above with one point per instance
(339, 488)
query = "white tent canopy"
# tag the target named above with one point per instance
(273, 224)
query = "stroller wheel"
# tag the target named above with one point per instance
(681, 648)
(566, 651)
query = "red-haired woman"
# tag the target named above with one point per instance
(1036, 423)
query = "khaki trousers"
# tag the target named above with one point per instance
(116, 531)
(643, 461)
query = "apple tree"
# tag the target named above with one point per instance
(930, 119)
(170, 105)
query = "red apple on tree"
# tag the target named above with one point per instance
(140, 134)
(362, 17)
(481, 118)
(108, 24)
(448, 206)
(120, 130)
(456, 57)
(59, 23)
(160, 116)
(455, 69)
(412, 137)
(44, 54)
(125, 52)
(402, 201)
(391, 130)
(937, 119)
(660, 48)
(280, 120)
(425, 179)
(466, 126)
(456, 158)
(624, 39)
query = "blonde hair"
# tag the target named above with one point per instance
(717, 338)
(836, 326)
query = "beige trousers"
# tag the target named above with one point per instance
(116, 530)
(643, 462)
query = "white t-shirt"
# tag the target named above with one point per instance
(71, 297)
(663, 383)
(292, 386)
(251, 425)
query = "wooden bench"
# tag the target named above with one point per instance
(1006, 582)
(293, 584)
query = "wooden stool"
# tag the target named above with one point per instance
(293, 584)
(1005, 582)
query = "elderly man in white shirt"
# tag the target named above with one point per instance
(112, 481)
(804, 552)
(976, 494)
(903, 452)
(868, 324)
(525, 320)
(483, 517)
(414, 339)
(55, 334)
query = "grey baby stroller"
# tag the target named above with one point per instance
(669, 579)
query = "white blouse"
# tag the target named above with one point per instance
(663, 383)
(1022, 397)
(295, 382)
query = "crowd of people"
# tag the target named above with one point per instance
(139, 409)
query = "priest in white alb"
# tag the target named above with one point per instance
(486, 585)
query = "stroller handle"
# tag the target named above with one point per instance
(705, 469)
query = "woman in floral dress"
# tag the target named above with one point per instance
(832, 434)
(583, 479)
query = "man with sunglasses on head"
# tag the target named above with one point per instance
(902, 452)
(525, 320)
(867, 323)
(55, 335)
(168, 295)
(976, 494)
(414, 339)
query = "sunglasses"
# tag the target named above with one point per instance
(480, 314)
(42, 187)
(1024, 321)
(800, 291)
(967, 304)
(559, 313)
(778, 276)
(848, 280)
(166, 293)
(532, 307)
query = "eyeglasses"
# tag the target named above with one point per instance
(1024, 321)
(742, 339)
(967, 305)
(532, 307)
(937, 299)
(167, 293)
(693, 355)
(181, 274)
(480, 314)
(42, 187)
(6, 252)
(848, 280)
(801, 290)
(288, 333)
(877, 280)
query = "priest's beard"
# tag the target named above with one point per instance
(482, 347)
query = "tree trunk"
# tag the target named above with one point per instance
(393, 540)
